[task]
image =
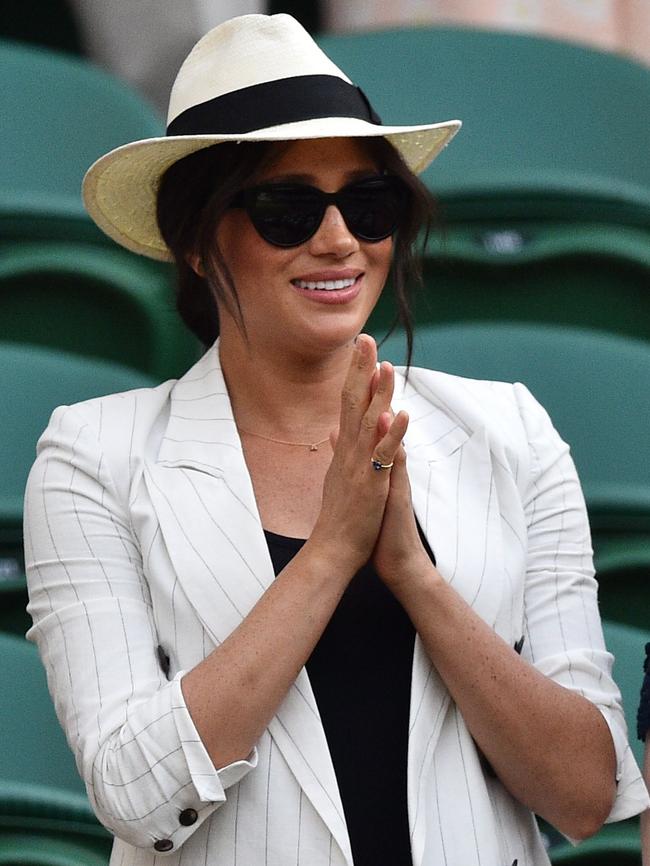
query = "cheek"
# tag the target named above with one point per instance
(233, 235)
(252, 263)
(381, 257)
(241, 247)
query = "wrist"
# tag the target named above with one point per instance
(413, 579)
(337, 556)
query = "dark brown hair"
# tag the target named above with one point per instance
(195, 193)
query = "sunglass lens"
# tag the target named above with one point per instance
(373, 209)
(287, 216)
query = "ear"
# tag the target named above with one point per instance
(194, 261)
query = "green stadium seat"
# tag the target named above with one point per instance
(33, 749)
(60, 113)
(14, 618)
(587, 276)
(532, 136)
(32, 849)
(623, 568)
(595, 386)
(37, 818)
(45, 816)
(94, 301)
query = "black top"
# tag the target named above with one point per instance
(360, 671)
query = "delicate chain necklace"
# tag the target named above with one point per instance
(313, 446)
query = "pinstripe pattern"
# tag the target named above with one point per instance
(142, 532)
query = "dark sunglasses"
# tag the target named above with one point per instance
(288, 214)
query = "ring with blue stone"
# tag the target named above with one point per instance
(378, 465)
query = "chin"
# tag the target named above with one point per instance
(335, 335)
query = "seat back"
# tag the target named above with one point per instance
(532, 128)
(580, 275)
(623, 570)
(95, 301)
(33, 748)
(595, 386)
(30, 849)
(60, 114)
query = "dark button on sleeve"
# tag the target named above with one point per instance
(163, 845)
(163, 660)
(188, 817)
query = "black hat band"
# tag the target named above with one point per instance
(287, 100)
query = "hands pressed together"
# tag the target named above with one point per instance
(366, 512)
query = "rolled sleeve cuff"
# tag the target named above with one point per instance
(631, 792)
(211, 784)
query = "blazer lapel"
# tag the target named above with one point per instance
(203, 496)
(451, 475)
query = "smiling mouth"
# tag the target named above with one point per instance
(326, 285)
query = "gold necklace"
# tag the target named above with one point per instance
(313, 446)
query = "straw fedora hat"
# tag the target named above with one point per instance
(252, 78)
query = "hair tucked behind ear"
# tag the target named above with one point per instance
(194, 194)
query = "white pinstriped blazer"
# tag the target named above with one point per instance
(142, 532)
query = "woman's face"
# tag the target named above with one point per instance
(280, 306)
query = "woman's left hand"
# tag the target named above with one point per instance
(399, 552)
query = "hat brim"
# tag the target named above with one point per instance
(120, 188)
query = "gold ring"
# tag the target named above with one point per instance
(378, 465)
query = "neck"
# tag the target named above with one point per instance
(284, 393)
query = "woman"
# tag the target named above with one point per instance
(193, 547)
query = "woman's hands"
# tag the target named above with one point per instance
(354, 493)
(399, 553)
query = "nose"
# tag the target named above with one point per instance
(333, 237)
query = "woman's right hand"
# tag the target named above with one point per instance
(354, 492)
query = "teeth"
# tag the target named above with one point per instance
(325, 285)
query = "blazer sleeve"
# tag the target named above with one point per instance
(148, 776)
(563, 635)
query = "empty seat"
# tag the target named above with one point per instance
(60, 113)
(532, 131)
(94, 301)
(595, 386)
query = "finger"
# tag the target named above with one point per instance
(380, 403)
(374, 384)
(388, 446)
(383, 423)
(356, 397)
(399, 480)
